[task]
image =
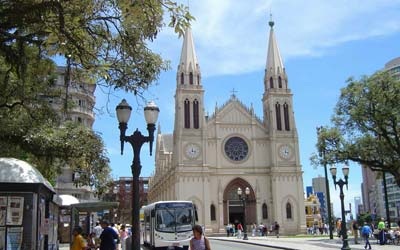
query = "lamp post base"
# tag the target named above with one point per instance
(346, 245)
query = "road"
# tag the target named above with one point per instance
(224, 245)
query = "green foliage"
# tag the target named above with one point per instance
(105, 42)
(106, 38)
(366, 126)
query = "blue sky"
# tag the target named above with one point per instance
(322, 44)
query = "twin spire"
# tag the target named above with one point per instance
(274, 60)
(189, 69)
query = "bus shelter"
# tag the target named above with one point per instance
(81, 214)
(28, 215)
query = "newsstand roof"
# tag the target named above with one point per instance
(66, 200)
(16, 171)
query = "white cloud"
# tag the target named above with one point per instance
(231, 36)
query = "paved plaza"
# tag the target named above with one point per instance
(296, 243)
(304, 243)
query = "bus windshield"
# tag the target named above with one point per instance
(174, 219)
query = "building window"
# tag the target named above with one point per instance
(286, 116)
(182, 79)
(280, 82)
(264, 211)
(271, 82)
(212, 212)
(196, 114)
(278, 116)
(191, 78)
(289, 211)
(198, 79)
(187, 113)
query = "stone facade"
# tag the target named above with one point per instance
(207, 158)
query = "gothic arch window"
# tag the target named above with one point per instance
(280, 82)
(191, 78)
(212, 212)
(198, 79)
(278, 116)
(271, 82)
(182, 79)
(289, 215)
(264, 211)
(286, 116)
(195, 113)
(187, 113)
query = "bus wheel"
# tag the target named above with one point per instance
(185, 247)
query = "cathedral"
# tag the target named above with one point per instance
(207, 158)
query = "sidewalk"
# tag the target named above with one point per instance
(305, 243)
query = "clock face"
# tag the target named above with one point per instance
(285, 151)
(236, 149)
(192, 150)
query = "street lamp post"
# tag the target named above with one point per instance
(341, 184)
(136, 140)
(328, 196)
(244, 199)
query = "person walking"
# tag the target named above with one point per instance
(276, 228)
(355, 231)
(199, 241)
(108, 237)
(366, 232)
(78, 242)
(240, 230)
(97, 230)
(381, 228)
(123, 235)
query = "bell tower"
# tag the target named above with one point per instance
(189, 127)
(277, 98)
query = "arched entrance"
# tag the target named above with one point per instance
(233, 208)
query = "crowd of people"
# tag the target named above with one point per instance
(104, 236)
(236, 229)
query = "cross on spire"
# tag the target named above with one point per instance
(233, 92)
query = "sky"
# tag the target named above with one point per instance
(322, 44)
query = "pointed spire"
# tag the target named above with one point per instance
(188, 61)
(274, 60)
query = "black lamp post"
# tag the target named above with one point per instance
(341, 184)
(244, 199)
(328, 196)
(136, 140)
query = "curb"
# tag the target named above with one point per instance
(254, 243)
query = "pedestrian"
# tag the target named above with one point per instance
(199, 241)
(277, 229)
(381, 228)
(97, 230)
(123, 235)
(355, 231)
(118, 242)
(91, 243)
(253, 229)
(239, 230)
(108, 237)
(78, 242)
(366, 232)
(227, 230)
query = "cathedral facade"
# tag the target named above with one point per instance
(207, 158)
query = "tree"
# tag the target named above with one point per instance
(366, 125)
(105, 42)
(106, 38)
